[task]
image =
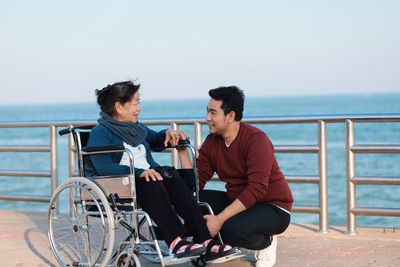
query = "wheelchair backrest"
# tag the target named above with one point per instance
(81, 137)
(118, 185)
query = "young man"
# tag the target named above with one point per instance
(258, 200)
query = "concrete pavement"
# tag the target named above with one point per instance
(23, 242)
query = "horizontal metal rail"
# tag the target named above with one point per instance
(25, 149)
(376, 211)
(24, 198)
(297, 149)
(307, 209)
(309, 179)
(376, 149)
(41, 174)
(373, 180)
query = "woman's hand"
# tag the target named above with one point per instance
(173, 137)
(151, 175)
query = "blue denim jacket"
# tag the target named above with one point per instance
(108, 164)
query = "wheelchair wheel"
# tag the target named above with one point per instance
(127, 260)
(81, 224)
(199, 262)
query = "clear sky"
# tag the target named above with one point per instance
(60, 51)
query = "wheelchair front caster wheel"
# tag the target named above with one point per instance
(199, 262)
(127, 260)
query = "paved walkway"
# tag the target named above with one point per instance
(23, 242)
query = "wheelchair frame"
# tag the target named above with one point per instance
(88, 201)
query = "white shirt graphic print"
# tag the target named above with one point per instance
(139, 156)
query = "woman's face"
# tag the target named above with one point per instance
(129, 111)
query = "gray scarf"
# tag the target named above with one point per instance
(132, 133)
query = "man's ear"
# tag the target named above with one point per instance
(231, 116)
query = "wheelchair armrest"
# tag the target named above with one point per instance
(158, 146)
(89, 149)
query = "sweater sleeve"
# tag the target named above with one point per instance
(103, 163)
(259, 157)
(203, 163)
(155, 136)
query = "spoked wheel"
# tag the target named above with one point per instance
(127, 260)
(81, 224)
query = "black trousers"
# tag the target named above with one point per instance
(164, 201)
(251, 228)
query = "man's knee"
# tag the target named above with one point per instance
(245, 239)
(240, 236)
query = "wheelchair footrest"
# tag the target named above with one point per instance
(170, 260)
(236, 255)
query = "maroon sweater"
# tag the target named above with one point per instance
(248, 167)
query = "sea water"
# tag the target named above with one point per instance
(291, 164)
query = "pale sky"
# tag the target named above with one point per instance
(60, 51)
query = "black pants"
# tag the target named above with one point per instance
(163, 200)
(251, 228)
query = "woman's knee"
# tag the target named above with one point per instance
(174, 181)
(152, 189)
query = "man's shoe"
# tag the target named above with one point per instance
(267, 256)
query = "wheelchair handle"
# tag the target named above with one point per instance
(158, 146)
(181, 143)
(71, 129)
(64, 131)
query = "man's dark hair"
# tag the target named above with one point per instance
(232, 99)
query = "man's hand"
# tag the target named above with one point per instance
(214, 224)
(151, 175)
(173, 137)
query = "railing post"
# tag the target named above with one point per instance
(174, 153)
(198, 131)
(350, 173)
(322, 171)
(53, 159)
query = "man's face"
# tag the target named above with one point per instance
(216, 119)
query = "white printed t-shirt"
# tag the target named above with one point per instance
(139, 156)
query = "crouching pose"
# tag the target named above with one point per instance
(163, 199)
(258, 200)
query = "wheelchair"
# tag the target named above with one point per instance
(85, 214)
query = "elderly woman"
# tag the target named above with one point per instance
(163, 199)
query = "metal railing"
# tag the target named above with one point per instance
(51, 149)
(320, 148)
(352, 179)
